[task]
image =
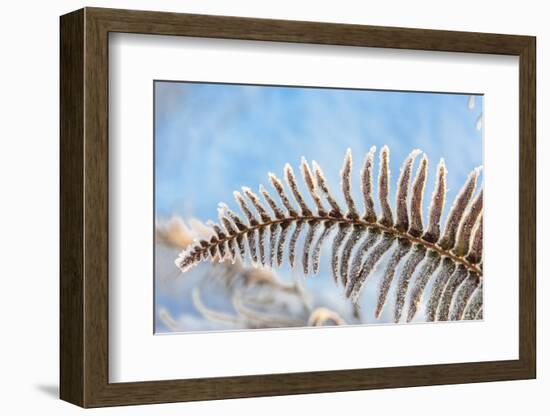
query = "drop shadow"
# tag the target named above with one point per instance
(51, 390)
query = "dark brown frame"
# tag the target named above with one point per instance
(84, 209)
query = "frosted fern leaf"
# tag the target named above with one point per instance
(448, 254)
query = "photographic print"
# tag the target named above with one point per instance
(292, 206)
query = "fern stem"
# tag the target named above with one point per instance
(347, 222)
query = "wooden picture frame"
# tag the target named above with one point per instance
(84, 207)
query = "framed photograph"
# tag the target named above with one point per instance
(255, 207)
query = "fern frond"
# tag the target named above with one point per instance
(402, 249)
(321, 181)
(479, 314)
(312, 187)
(447, 240)
(360, 241)
(403, 183)
(436, 205)
(366, 186)
(357, 280)
(446, 270)
(462, 296)
(466, 225)
(476, 244)
(308, 242)
(293, 240)
(345, 174)
(447, 296)
(285, 228)
(291, 182)
(429, 266)
(403, 284)
(357, 232)
(384, 187)
(474, 304)
(419, 184)
(327, 228)
(343, 230)
(362, 252)
(278, 186)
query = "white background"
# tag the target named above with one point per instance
(29, 209)
(135, 60)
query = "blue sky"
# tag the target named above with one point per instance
(211, 139)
